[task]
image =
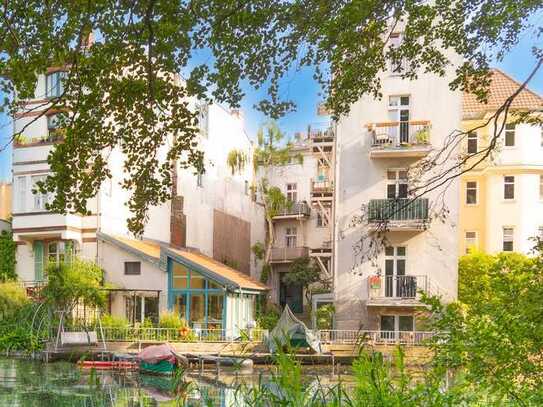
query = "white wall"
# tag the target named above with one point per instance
(112, 259)
(360, 178)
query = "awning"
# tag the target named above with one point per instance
(158, 253)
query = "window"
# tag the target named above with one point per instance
(292, 194)
(541, 187)
(396, 184)
(21, 193)
(291, 237)
(470, 241)
(390, 325)
(509, 135)
(398, 112)
(132, 268)
(471, 193)
(54, 86)
(139, 308)
(508, 233)
(200, 180)
(322, 220)
(472, 143)
(39, 199)
(394, 66)
(323, 170)
(509, 187)
(203, 119)
(60, 251)
(54, 126)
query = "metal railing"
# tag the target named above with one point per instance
(320, 131)
(400, 134)
(132, 334)
(404, 287)
(321, 185)
(295, 209)
(335, 336)
(400, 209)
(283, 254)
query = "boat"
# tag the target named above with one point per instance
(161, 360)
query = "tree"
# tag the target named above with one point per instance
(8, 260)
(69, 284)
(303, 271)
(493, 336)
(124, 94)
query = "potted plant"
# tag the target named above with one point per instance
(422, 136)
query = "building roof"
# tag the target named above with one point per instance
(501, 87)
(223, 272)
(153, 251)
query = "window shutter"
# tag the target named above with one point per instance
(38, 260)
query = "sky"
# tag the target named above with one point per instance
(305, 92)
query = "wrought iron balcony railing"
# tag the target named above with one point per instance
(398, 210)
(296, 209)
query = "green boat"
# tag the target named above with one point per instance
(160, 360)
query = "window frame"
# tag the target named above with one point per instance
(474, 240)
(40, 200)
(506, 184)
(397, 181)
(468, 189)
(291, 193)
(132, 263)
(291, 235)
(56, 89)
(508, 131)
(20, 186)
(472, 137)
(510, 238)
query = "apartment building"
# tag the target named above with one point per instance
(211, 221)
(388, 244)
(501, 199)
(305, 228)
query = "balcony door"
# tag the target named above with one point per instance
(397, 184)
(397, 284)
(398, 112)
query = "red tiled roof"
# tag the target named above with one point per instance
(501, 87)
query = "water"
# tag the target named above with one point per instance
(29, 383)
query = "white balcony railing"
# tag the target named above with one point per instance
(335, 336)
(400, 134)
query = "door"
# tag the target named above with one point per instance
(387, 327)
(398, 112)
(395, 260)
(291, 295)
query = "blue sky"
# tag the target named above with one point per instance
(302, 89)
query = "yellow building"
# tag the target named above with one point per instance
(501, 199)
(5, 201)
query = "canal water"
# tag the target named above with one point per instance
(59, 384)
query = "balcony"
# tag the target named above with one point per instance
(321, 137)
(52, 137)
(396, 290)
(322, 188)
(287, 254)
(398, 214)
(298, 210)
(400, 139)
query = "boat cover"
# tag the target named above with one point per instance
(157, 353)
(290, 330)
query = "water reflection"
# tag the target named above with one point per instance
(27, 383)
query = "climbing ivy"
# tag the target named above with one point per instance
(7, 257)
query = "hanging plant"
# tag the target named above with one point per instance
(236, 160)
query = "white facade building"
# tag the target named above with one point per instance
(212, 213)
(381, 265)
(304, 229)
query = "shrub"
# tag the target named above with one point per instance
(110, 321)
(268, 318)
(12, 299)
(7, 257)
(171, 320)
